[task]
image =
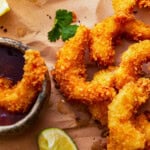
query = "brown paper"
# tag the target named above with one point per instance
(29, 21)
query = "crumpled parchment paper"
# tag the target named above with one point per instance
(29, 21)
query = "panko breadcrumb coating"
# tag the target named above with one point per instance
(123, 133)
(102, 37)
(137, 30)
(19, 97)
(130, 68)
(124, 8)
(134, 29)
(99, 110)
(116, 87)
(70, 72)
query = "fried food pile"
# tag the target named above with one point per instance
(19, 97)
(115, 93)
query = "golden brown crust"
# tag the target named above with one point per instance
(124, 8)
(123, 134)
(18, 98)
(130, 68)
(137, 30)
(99, 110)
(70, 72)
(101, 92)
(102, 37)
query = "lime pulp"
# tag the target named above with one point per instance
(55, 139)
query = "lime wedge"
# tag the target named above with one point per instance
(4, 7)
(55, 139)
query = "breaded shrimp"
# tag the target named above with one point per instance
(143, 125)
(134, 29)
(123, 134)
(137, 30)
(102, 37)
(19, 97)
(99, 110)
(124, 8)
(130, 68)
(70, 72)
(116, 77)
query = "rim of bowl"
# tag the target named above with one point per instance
(28, 119)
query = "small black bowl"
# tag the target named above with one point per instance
(16, 48)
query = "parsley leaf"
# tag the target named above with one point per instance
(64, 17)
(68, 31)
(54, 34)
(62, 26)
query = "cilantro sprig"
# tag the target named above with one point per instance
(62, 26)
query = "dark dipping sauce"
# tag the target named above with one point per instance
(11, 67)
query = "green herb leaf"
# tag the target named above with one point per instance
(68, 32)
(54, 34)
(63, 17)
(62, 26)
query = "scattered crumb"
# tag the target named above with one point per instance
(5, 30)
(49, 16)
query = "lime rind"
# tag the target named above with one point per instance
(4, 7)
(55, 139)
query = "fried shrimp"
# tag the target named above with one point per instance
(134, 29)
(19, 97)
(124, 9)
(70, 72)
(104, 35)
(123, 133)
(137, 30)
(130, 68)
(99, 110)
(115, 93)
